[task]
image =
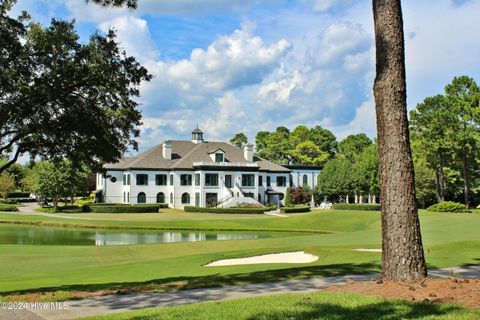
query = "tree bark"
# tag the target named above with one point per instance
(402, 251)
(440, 177)
(466, 189)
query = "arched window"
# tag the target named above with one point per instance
(185, 198)
(259, 198)
(141, 198)
(160, 197)
(171, 197)
(305, 180)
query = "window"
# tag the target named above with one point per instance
(142, 179)
(141, 198)
(281, 181)
(268, 181)
(185, 179)
(259, 199)
(124, 179)
(128, 196)
(113, 179)
(160, 179)
(124, 197)
(197, 179)
(171, 197)
(228, 180)
(185, 198)
(260, 181)
(219, 157)
(160, 197)
(128, 179)
(171, 179)
(248, 180)
(305, 180)
(211, 179)
(281, 196)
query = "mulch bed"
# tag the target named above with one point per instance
(439, 290)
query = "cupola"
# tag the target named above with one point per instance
(197, 135)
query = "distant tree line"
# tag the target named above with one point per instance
(445, 141)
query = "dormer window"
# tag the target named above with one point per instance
(219, 157)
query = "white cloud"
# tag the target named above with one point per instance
(134, 37)
(328, 85)
(328, 5)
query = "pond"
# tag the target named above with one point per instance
(14, 234)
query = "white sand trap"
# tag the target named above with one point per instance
(368, 250)
(286, 257)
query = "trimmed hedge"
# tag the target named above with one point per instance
(295, 209)
(8, 201)
(124, 208)
(8, 207)
(360, 207)
(448, 206)
(227, 210)
(19, 195)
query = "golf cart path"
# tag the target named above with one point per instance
(120, 303)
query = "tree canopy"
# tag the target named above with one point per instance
(303, 145)
(239, 139)
(445, 133)
(63, 99)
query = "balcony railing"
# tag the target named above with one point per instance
(225, 164)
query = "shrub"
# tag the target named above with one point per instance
(82, 202)
(19, 194)
(447, 206)
(8, 207)
(249, 205)
(227, 210)
(123, 208)
(361, 207)
(295, 209)
(8, 201)
(288, 198)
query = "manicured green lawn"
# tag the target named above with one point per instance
(326, 306)
(450, 240)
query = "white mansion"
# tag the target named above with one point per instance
(200, 173)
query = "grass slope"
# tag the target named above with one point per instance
(302, 306)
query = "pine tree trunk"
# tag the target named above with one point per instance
(402, 251)
(440, 177)
(466, 189)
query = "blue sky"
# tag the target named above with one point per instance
(250, 65)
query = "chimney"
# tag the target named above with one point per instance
(167, 150)
(248, 152)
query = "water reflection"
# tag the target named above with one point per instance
(39, 235)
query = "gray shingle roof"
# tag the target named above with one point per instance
(185, 153)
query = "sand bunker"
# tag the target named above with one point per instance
(368, 250)
(286, 257)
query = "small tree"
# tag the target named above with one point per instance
(55, 180)
(288, 198)
(239, 140)
(7, 184)
(300, 196)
